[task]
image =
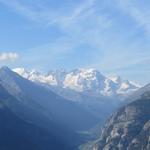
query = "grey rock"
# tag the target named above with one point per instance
(127, 129)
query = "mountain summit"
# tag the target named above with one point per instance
(82, 80)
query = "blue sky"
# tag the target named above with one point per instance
(110, 35)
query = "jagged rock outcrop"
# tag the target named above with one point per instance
(127, 129)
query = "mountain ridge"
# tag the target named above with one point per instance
(21, 127)
(82, 81)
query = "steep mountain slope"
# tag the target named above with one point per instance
(21, 127)
(54, 106)
(137, 94)
(129, 128)
(96, 105)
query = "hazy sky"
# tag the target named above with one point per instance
(110, 35)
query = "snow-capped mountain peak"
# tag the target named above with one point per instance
(36, 76)
(116, 79)
(21, 71)
(81, 80)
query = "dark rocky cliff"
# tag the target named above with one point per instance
(127, 129)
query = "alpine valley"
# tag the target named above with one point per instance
(86, 87)
(67, 110)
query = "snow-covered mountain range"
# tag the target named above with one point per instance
(82, 81)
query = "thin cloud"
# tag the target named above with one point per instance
(140, 14)
(76, 13)
(34, 13)
(8, 56)
(49, 16)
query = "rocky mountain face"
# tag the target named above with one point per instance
(128, 128)
(89, 81)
